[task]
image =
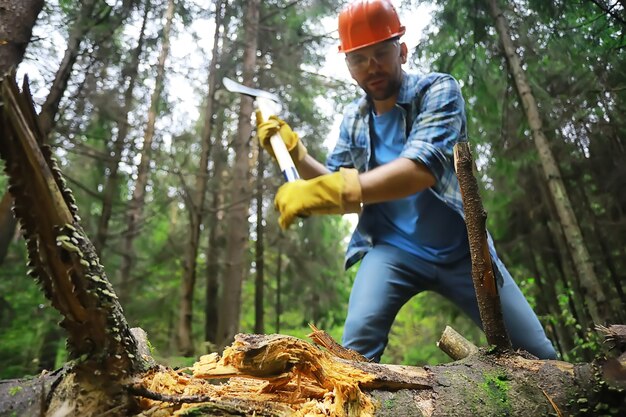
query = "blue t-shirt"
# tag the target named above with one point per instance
(421, 223)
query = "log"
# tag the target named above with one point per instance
(285, 373)
(455, 345)
(277, 375)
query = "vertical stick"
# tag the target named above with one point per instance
(482, 271)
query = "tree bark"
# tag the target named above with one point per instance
(135, 205)
(17, 19)
(454, 345)
(196, 201)
(215, 238)
(280, 375)
(279, 270)
(482, 272)
(280, 371)
(575, 242)
(259, 252)
(237, 216)
(61, 256)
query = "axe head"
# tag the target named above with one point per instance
(267, 102)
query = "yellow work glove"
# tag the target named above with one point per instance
(266, 129)
(335, 193)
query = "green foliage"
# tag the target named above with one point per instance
(25, 316)
(571, 52)
(67, 6)
(175, 362)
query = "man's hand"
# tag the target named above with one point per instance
(336, 193)
(266, 129)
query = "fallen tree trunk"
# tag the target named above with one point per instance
(278, 375)
(482, 384)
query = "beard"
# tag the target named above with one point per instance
(381, 86)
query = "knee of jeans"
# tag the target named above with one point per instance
(363, 336)
(542, 349)
(372, 325)
(370, 347)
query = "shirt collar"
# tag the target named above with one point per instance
(405, 95)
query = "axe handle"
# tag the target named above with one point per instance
(283, 157)
(287, 167)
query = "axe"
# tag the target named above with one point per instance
(268, 104)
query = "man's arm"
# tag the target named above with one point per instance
(344, 191)
(394, 180)
(310, 167)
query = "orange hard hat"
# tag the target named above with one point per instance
(366, 22)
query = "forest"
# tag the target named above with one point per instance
(177, 197)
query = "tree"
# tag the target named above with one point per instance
(215, 235)
(135, 205)
(236, 218)
(259, 251)
(117, 148)
(197, 197)
(571, 59)
(569, 223)
(61, 256)
(16, 26)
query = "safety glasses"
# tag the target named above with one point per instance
(383, 53)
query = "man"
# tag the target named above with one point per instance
(393, 163)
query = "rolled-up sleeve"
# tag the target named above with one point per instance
(438, 125)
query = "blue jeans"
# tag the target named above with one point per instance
(388, 277)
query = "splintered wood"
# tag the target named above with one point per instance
(321, 338)
(273, 375)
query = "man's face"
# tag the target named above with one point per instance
(378, 68)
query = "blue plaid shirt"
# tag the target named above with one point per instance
(433, 110)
